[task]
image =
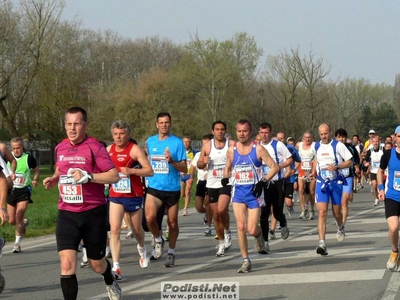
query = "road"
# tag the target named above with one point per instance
(354, 269)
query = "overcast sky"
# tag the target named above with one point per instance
(358, 38)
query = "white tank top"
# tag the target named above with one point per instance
(216, 165)
(306, 156)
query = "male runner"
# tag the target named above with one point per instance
(83, 166)
(331, 157)
(127, 194)
(213, 155)
(167, 156)
(244, 161)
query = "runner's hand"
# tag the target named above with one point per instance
(258, 187)
(224, 181)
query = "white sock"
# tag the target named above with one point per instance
(18, 239)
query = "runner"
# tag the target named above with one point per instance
(390, 193)
(83, 166)
(126, 196)
(348, 173)
(273, 194)
(372, 160)
(167, 156)
(187, 179)
(202, 199)
(306, 186)
(213, 155)
(244, 161)
(20, 195)
(3, 217)
(331, 156)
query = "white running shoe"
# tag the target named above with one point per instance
(114, 291)
(16, 248)
(158, 249)
(340, 235)
(376, 203)
(143, 259)
(312, 215)
(221, 250)
(227, 240)
(246, 267)
(170, 260)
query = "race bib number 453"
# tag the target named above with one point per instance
(70, 191)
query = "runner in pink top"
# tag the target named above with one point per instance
(82, 168)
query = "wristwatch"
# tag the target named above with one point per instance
(90, 177)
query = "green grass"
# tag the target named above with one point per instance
(42, 213)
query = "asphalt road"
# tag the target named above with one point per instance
(354, 269)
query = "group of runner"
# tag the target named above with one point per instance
(259, 176)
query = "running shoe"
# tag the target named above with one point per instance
(259, 244)
(205, 219)
(291, 212)
(284, 232)
(114, 291)
(2, 282)
(376, 203)
(312, 215)
(392, 261)
(185, 212)
(216, 237)
(266, 247)
(272, 235)
(108, 254)
(2, 243)
(80, 247)
(228, 240)
(143, 259)
(170, 260)
(340, 234)
(303, 215)
(116, 271)
(321, 249)
(16, 248)
(84, 263)
(207, 232)
(246, 267)
(158, 249)
(221, 250)
(25, 224)
(167, 236)
(129, 235)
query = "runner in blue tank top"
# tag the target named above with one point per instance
(243, 164)
(389, 191)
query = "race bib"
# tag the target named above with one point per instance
(345, 172)
(244, 175)
(265, 169)
(19, 180)
(159, 164)
(375, 164)
(123, 185)
(70, 191)
(326, 174)
(218, 171)
(396, 181)
(306, 164)
(188, 163)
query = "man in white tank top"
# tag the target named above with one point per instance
(306, 187)
(213, 155)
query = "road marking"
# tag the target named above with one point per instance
(296, 278)
(392, 287)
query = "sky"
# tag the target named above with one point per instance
(355, 38)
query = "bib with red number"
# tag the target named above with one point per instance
(218, 171)
(19, 180)
(70, 191)
(244, 175)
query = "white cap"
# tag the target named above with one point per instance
(372, 131)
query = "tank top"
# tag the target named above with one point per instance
(306, 156)
(216, 165)
(127, 186)
(246, 172)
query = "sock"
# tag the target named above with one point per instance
(246, 259)
(69, 286)
(18, 239)
(142, 249)
(227, 231)
(107, 275)
(221, 242)
(115, 265)
(322, 242)
(171, 251)
(159, 239)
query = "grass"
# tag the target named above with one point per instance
(42, 213)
